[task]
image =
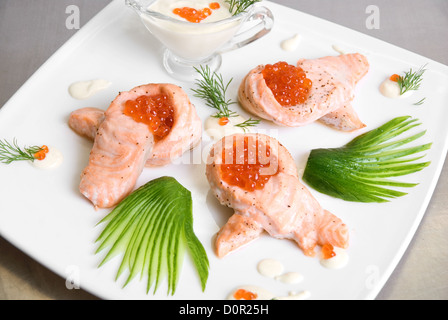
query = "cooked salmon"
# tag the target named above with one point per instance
(86, 121)
(283, 207)
(185, 134)
(334, 79)
(122, 146)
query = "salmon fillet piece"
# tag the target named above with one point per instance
(284, 207)
(238, 231)
(185, 134)
(334, 80)
(86, 121)
(122, 147)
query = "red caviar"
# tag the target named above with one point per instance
(241, 165)
(156, 111)
(394, 77)
(288, 83)
(223, 121)
(214, 5)
(195, 15)
(328, 251)
(42, 153)
(245, 295)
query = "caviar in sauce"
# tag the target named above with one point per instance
(48, 158)
(241, 165)
(217, 128)
(333, 257)
(42, 153)
(328, 251)
(395, 77)
(196, 15)
(156, 111)
(288, 83)
(391, 89)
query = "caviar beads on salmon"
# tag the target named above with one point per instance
(156, 111)
(288, 83)
(242, 165)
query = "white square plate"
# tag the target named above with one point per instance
(43, 213)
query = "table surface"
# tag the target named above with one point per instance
(31, 31)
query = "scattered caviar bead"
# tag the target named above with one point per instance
(242, 294)
(394, 77)
(156, 111)
(223, 121)
(288, 83)
(328, 251)
(241, 165)
(214, 6)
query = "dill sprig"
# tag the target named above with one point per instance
(10, 152)
(411, 80)
(239, 6)
(419, 103)
(248, 123)
(212, 89)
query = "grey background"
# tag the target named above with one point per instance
(32, 30)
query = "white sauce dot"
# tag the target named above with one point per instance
(339, 261)
(290, 277)
(52, 159)
(217, 131)
(338, 49)
(391, 89)
(270, 268)
(295, 296)
(85, 89)
(291, 44)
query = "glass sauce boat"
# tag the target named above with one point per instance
(190, 45)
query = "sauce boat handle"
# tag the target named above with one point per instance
(264, 25)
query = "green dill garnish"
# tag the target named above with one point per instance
(151, 229)
(359, 170)
(248, 123)
(10, 152)
(239, 6)
(411, 80)
(212, 89)
(419, 103)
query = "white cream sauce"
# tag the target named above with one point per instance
(192, 41)
(290, 277)
(53, 159)
(85, 89)
(338, 49)
(339, 261)
(295, 296)
(270, 268)
(166, 7)
(391, 89)
(217, 131)
(292, 43)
